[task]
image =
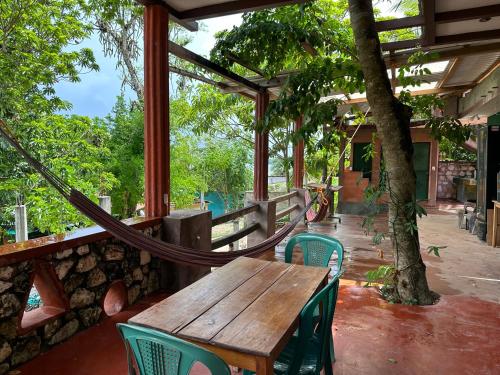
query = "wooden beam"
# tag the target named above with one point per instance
(444, 90)
(488, 71)
(401, 58)
(174, 15)
(185, 73)
(429, 32)
(468, 14)
(443, 39)
(239, 61)
(399, 23)
(261, 152)
(468, 37)
(210, 66)
(439, 18)
(232, 7)
(224, 218)
(309, 48)
(156, 112)
(298, 157)
(452, 66)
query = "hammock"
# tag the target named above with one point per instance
(313, 216)
(135, 238)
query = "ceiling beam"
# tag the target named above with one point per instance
(468, 14)
(429, 32)
(244, 64)
(450, 69)
(443, 90)
(399, 23)
(232, 7)
(401, 58)
(441, 17)
(173, 14)
(480, 95)
(212, 67)
(443, 39)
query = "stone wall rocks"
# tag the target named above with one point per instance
(448, 170)
(85, 273)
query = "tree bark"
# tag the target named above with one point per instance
(392, 120)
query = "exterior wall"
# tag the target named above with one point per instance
(354, 185)
(72, 283)
(447, 171)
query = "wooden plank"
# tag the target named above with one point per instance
(285, 197)
(226, 240)
(231, 7)
(186, 305)
(399, 23)
(234, 214)
(268, 323)
(187, 55)
(207, 325)
(429, 31)
(468, 14)
(286, 211)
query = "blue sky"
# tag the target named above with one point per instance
(96, 93)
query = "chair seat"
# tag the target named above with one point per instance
(309, 362)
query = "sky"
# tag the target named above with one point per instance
(96, 93)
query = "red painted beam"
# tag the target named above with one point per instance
(156, 111)
(298, 158)
(261, 155)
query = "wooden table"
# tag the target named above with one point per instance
(245, 312)
(496, 222)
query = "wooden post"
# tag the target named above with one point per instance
(156, 111)
(341, 172)
(261, 157)
(298, 159)
(188, 228)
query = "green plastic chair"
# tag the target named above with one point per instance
(308, 352)
(157, 353)
(317, 249)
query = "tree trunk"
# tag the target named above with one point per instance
(392, 120)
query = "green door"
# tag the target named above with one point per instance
(421, 163)
(360, 162)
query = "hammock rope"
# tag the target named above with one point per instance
(137, 239)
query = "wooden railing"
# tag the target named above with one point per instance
(253, 225)
(224, 218)
(286, 211)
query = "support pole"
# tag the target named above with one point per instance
(21, 222)
(261, 157)
(156, 111)
(298, 158)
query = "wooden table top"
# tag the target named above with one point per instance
(249, 306)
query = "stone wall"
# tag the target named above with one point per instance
(82, 275)
(448, 170)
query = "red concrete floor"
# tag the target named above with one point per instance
(458, 335)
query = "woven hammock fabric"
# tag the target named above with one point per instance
(135, 238)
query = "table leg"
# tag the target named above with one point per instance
(495, 226)
(265, 366)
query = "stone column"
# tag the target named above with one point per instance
(21, 222)
(105, 203)
(188, 228)
(156, 111)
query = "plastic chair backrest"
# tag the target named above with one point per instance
(157, 353)
(317, 249)
(324, 301)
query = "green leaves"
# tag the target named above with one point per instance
(435, 249)
(34, 54)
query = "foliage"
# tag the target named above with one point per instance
(125, 124)
(224, 168)
(451, 151)
(34, 54)
(74, 148)
(435, 249)
(384, 274)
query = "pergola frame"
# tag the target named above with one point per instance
(156, 45)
